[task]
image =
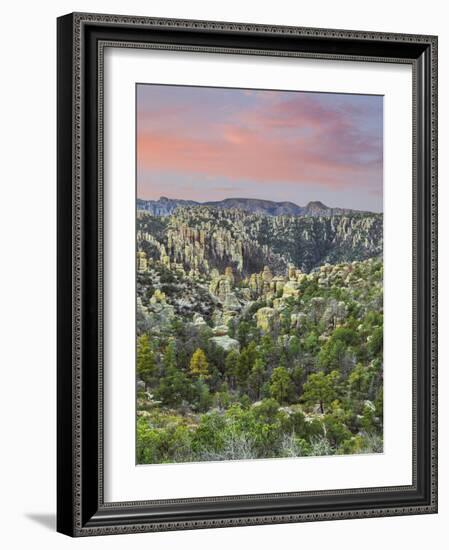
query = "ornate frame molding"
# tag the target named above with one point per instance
(82, 511)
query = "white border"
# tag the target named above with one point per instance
(123, 480)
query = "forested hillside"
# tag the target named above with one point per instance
(259, 336)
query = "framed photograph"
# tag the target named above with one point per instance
(247, 274)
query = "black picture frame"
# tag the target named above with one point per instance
(81, 510)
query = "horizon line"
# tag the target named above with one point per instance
(261, 200)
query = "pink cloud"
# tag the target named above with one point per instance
(243, 155)
(292, 140)
(301, 111)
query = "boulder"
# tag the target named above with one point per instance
(198, 320)
(226, 342)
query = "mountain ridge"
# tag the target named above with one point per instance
(165, 206)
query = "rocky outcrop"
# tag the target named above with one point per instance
(271, 287)
(267, 319)
(157, 316)
(226, 343)
(200, 238)
(212, 266)
(220, 286)
(290, 289)
(142, 261)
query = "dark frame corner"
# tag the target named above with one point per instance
(81, 510)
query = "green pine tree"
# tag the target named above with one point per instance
(146, 362)
(281, 386)
(321, 388)
(256, 378)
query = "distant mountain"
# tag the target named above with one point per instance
(165, 207)
(259, 206)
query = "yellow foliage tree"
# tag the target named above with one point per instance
(198, 364)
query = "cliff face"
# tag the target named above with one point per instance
(198, 239)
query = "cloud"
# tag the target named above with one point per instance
(330, 140)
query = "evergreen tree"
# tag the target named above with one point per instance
(203, 398)
(321, 388)
(375, 342)
(268, 351)
(245, 363)
(298, 378)
(281, 385)
(231, 364)
(294, 347)
(311, 342)
(146, 362)
(198, 364)
(256, 378)
(169, 360)
(283, 360)
(243, 333)
(358, 382)
(173, 387)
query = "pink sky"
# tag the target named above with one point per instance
(214, 143)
